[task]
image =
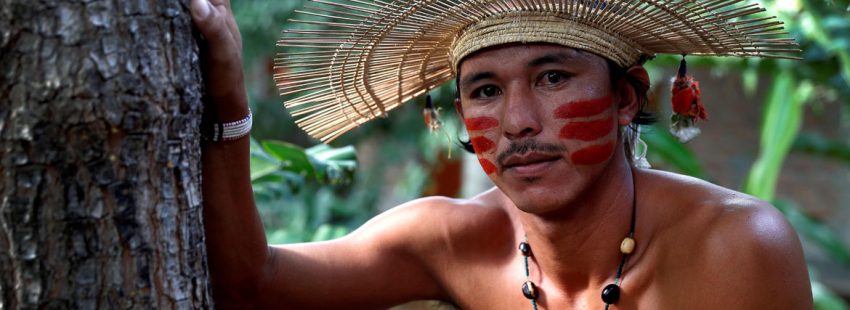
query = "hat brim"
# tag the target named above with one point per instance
(369, 56)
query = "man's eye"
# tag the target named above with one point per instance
(487, 91)
(553, 77)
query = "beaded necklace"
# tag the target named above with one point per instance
(611, 292)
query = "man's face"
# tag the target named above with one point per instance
(543, 120)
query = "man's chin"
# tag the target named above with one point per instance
(541, 200)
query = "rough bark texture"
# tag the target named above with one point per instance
(100, 203)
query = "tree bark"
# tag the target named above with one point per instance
(100, 203)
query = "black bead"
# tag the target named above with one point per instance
(525, 248)
(529, 290)
(610, 294)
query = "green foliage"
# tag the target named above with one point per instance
(666, 150)
(295, 193)
(822, 30)
(816, 144)
(781, 122)
(825, 299)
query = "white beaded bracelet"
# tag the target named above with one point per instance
(217, 132)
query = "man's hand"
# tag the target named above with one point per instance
(221, 55)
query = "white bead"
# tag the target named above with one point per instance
(627, 246)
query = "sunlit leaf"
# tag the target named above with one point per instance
(261, 163)
(825, 299)
(339, 232)
(326, 153)
(334, 165)
(782, 117)
(750, 79)
(292, 156)
(324, 232)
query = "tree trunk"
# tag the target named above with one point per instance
(100, 203)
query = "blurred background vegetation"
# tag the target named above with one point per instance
(310, 192)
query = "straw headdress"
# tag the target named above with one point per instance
(366, 57)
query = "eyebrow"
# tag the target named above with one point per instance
(475, 77)
(553, 58)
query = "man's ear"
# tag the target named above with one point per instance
(459, 108)
(628, 105)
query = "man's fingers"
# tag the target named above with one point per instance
(209, 21)
(200, 11)
(213, 24)
(226, 3)
(234, 30)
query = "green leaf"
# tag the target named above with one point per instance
(293, 181)
(782, 117)
(339, 232)
(325, 153)
(825, 299)
(293, 157)
(750, 79)
(815, 231)
(261, 163)
(324, 232)
(334, 165)
(664, 147)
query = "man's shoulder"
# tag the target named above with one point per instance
(727, 243)
(714, 214)
(440, 219)
(679, 200)
(486, 204)
(442, 231)
(456, 216)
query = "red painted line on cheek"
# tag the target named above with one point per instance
(489, 167)
(587, 131)
(592, 155)
(482, 144)
(480, 123)
(583, 108)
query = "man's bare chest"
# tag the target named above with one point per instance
(499, 286)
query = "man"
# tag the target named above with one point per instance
(545, 120)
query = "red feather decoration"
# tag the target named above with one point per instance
(687, 105)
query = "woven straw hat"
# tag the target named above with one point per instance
(370, 56)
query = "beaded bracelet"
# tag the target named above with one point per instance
(217, 132)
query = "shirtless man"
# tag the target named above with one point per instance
(698, 246)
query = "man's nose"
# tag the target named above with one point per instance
(521, 118)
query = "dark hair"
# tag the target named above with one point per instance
(615, 73)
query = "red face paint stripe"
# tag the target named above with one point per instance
(587, 131)
(489, 167)
(480, 123)
(592, 155)
(583, 108)
(482, 144)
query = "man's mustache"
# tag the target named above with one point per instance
(526, 146)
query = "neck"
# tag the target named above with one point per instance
(578, 247)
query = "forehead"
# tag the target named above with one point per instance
(523, 55)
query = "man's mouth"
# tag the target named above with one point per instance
(531, 163)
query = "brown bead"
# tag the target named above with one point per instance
(627, 246)
(529, 290)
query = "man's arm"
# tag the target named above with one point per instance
(236, 243)
(378, 265)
